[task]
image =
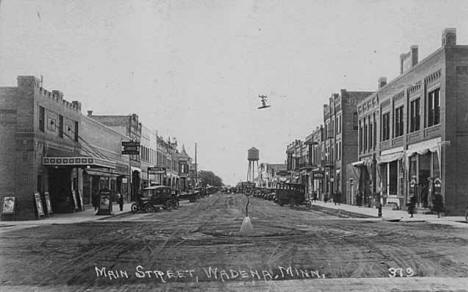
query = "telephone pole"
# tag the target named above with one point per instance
(196, 166)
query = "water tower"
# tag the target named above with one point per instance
(252, 157)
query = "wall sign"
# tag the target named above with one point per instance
(37, 200)
(75, 201)
(105, 203)
(48, 205)
(8, 205)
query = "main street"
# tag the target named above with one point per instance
(199, 246)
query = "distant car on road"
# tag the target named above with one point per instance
(289, 193)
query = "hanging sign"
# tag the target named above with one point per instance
(131, 147)
(156, 170)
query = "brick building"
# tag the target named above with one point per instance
(294, 155)
(129, 126)
(419, 135)
(268, 174)
(340, 145)
(315, 142)
(36, 124)
(98, 140)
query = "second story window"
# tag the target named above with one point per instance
(76, 132)
(355, 121)
(360, 137)
(370, 135)
(414, 115)
(385, 126)
(433, 108)
(60, 133)
(41, 119)
(365, 135)
(398, 124)
(375, 131)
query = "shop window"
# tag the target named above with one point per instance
(383, 172)
(398, 125)
(41, 118)
(433, 108)
(413, 166)
(414, 115)
(435, 163)
(393, 182)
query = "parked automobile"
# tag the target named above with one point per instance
(155, 197)
(289, 193)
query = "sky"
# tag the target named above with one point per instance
(193, 69)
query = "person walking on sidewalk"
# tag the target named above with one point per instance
(95, 200)
(412, 205)
(120, 201)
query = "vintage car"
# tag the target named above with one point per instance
(289, 193)
(155, 197)
(190, 195)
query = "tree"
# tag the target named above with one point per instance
(207, 177)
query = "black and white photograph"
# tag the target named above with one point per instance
(233, 145)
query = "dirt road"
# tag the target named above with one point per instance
(200, 242)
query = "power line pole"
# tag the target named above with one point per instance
(196, 166)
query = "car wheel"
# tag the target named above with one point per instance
(149, 208)
(134, 208)
(292, 203)
(168, 205)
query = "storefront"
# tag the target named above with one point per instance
(391, 171)
(68, 185)
(424, 161)
(317, 182)
(365, 182)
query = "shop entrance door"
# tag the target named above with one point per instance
(60, 190)
(424, 175)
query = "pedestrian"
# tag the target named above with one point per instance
(120, 201)
(438, 204)
(95, 201)
(412, 205)
(315, 197)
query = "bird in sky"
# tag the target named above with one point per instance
(264, 102)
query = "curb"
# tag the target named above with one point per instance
(114, 215)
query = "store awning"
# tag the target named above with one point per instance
(390, 157)
(424, 147)
(78, 161)
(358, 163)
(101, 172)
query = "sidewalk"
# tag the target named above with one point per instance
(67, 218)
(388, 214)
